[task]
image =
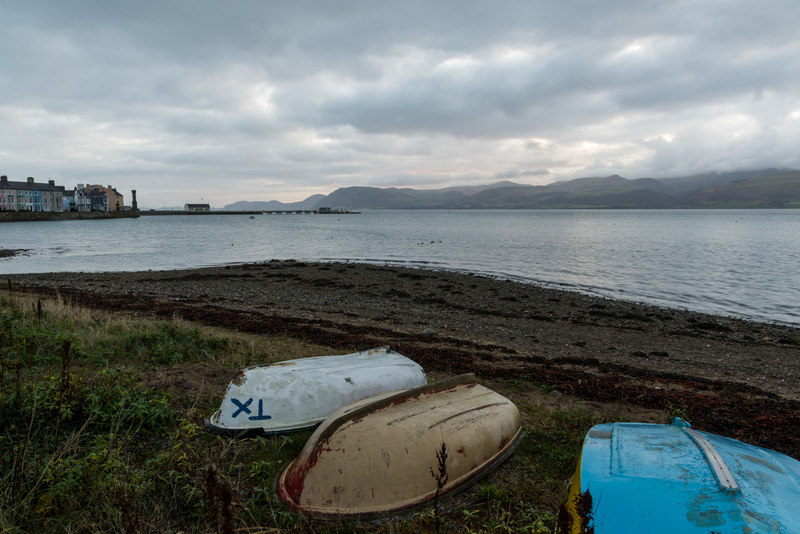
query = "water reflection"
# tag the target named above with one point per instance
(739, 262)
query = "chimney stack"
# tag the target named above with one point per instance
(134, 205)
(30, 179)
(51, 182)
(3, 178)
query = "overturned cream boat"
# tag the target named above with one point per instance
(295, 394)
(393, 451)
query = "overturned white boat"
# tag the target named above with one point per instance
(295, 394)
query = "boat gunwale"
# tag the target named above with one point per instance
(253, 432)
(384, 350)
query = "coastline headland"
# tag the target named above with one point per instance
(31, 216)
(729, 376)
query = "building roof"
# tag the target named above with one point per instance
(25, 186)
(94, 192)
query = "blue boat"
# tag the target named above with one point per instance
(639, 477)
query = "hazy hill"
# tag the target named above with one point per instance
(369, 197)
(472, 189)
(583, 195)
(763, 188)
(244, 205)
(609, 183)
(777, 191)
(686, 184)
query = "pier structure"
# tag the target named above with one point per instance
(320, 211)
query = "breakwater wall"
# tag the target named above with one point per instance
(31, 216)
(148, 213)
(259, 212)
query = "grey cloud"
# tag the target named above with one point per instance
(303, 94)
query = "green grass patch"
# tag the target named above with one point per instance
(95, 436)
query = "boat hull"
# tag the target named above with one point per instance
(669, 478)
(301, 393)
(395, 451)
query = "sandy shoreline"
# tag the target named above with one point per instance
(724, 371)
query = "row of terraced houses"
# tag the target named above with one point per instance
(32, 196)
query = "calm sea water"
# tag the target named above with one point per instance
(733, 262)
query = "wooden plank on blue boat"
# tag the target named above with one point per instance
(650, 478)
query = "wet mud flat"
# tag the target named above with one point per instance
(732, 377)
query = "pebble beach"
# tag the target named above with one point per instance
(731, 375)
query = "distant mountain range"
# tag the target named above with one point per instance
(766, 188)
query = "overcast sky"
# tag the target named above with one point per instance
(218, 101)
